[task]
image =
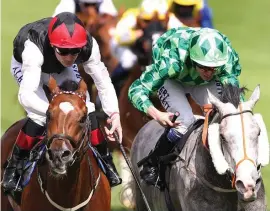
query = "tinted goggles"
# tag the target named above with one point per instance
(67, 51)
(211, 69)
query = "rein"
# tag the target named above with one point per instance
(83, 139)
(84, 136)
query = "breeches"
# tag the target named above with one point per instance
(173, 98)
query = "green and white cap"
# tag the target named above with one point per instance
(208, 48)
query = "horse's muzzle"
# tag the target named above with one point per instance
(247, 190)
(59, 159)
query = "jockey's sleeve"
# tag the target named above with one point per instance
(32, 60)
(65, 6)
(167, 66)
(97, 70)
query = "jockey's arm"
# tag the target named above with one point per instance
(97, 70)
(65, 6)
(32, 60)
(150, 81)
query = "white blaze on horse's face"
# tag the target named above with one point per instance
(240, 144)
(66, 107)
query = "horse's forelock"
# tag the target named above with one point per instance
(231, 94)
(69, 85)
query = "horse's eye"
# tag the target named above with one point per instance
(259, 167)
(222, 138)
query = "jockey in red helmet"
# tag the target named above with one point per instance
(55, 46)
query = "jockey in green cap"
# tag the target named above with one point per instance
(185, 60)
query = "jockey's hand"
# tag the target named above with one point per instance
(115, 123)
(163, 118)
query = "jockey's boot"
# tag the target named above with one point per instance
(165, 144)
(111, 171)
(20, 155)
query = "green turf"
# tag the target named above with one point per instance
(245, 22)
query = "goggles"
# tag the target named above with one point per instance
(67, 51)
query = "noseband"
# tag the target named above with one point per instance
(84, 137)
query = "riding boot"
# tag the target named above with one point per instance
(111, 171)
(15, 163)
(14, 170)
(150, 171)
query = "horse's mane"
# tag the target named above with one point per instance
(231, 94)
(69, 85)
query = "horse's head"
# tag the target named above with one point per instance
(67, 126)
(143, 46)
(235, 142)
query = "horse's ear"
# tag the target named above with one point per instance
(254, 97)
(82, 87)
(53, 85)
(215, 101)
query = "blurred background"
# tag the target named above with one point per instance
(245, 22)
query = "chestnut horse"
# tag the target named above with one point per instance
(69, 177)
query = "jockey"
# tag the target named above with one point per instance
(55, 46)
(130, 28)
(185, 10)
(185, 60)
(105, 7)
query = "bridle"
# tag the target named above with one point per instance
(84, 137)
(230, 171)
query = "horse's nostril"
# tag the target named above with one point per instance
(50, 154)
(66, 154)
(240, 186)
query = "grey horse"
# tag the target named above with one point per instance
(201, 179)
